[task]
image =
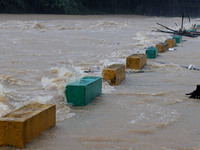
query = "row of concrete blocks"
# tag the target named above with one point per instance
(115, 73)
(152, 52)
(82, 92)
(24, 124)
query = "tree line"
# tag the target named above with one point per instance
(140, 7)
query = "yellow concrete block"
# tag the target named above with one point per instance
(22, 125)
(114, 74)
(136, 61)
(171, 42)
(162, 47)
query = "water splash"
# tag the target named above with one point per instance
(42, 99)
(62, 76)
(147, 39)
(3, 107)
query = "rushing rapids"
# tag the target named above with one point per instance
(40, 54)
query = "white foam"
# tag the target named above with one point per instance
(2, 93)
(154, 115)
(106, 88)
(146, 39)
(42, 99)
(3, 109)
(62, 76)
(63, 114)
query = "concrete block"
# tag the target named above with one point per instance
(162, 47)
(191, 30)
(197, 26)
(152, 52)
(26, 123)
(136, 61)
(178, 38)
(171, 42)
(114, 74)
(83, 91)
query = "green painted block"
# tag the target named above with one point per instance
(83, 91)
(191, 30)
(178, 38)
(152, 52)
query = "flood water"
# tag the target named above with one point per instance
(40, 54)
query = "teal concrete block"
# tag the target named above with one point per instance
(83, 91)
(152, 52)
(191, 30)
(178, 38)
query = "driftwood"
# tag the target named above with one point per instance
(182, 31)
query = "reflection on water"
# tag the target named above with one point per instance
(40, 54)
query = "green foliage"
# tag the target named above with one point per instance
(60, 6)
(39, 6)
(12, 6)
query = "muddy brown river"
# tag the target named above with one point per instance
(40, 54)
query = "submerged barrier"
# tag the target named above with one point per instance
(114, 74)
(24, 124)
(83, 91)
(136, 61)
(190, 67)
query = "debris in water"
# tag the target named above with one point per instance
(182, 31)
(195, 93)
(191, 67)
(172, 49)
